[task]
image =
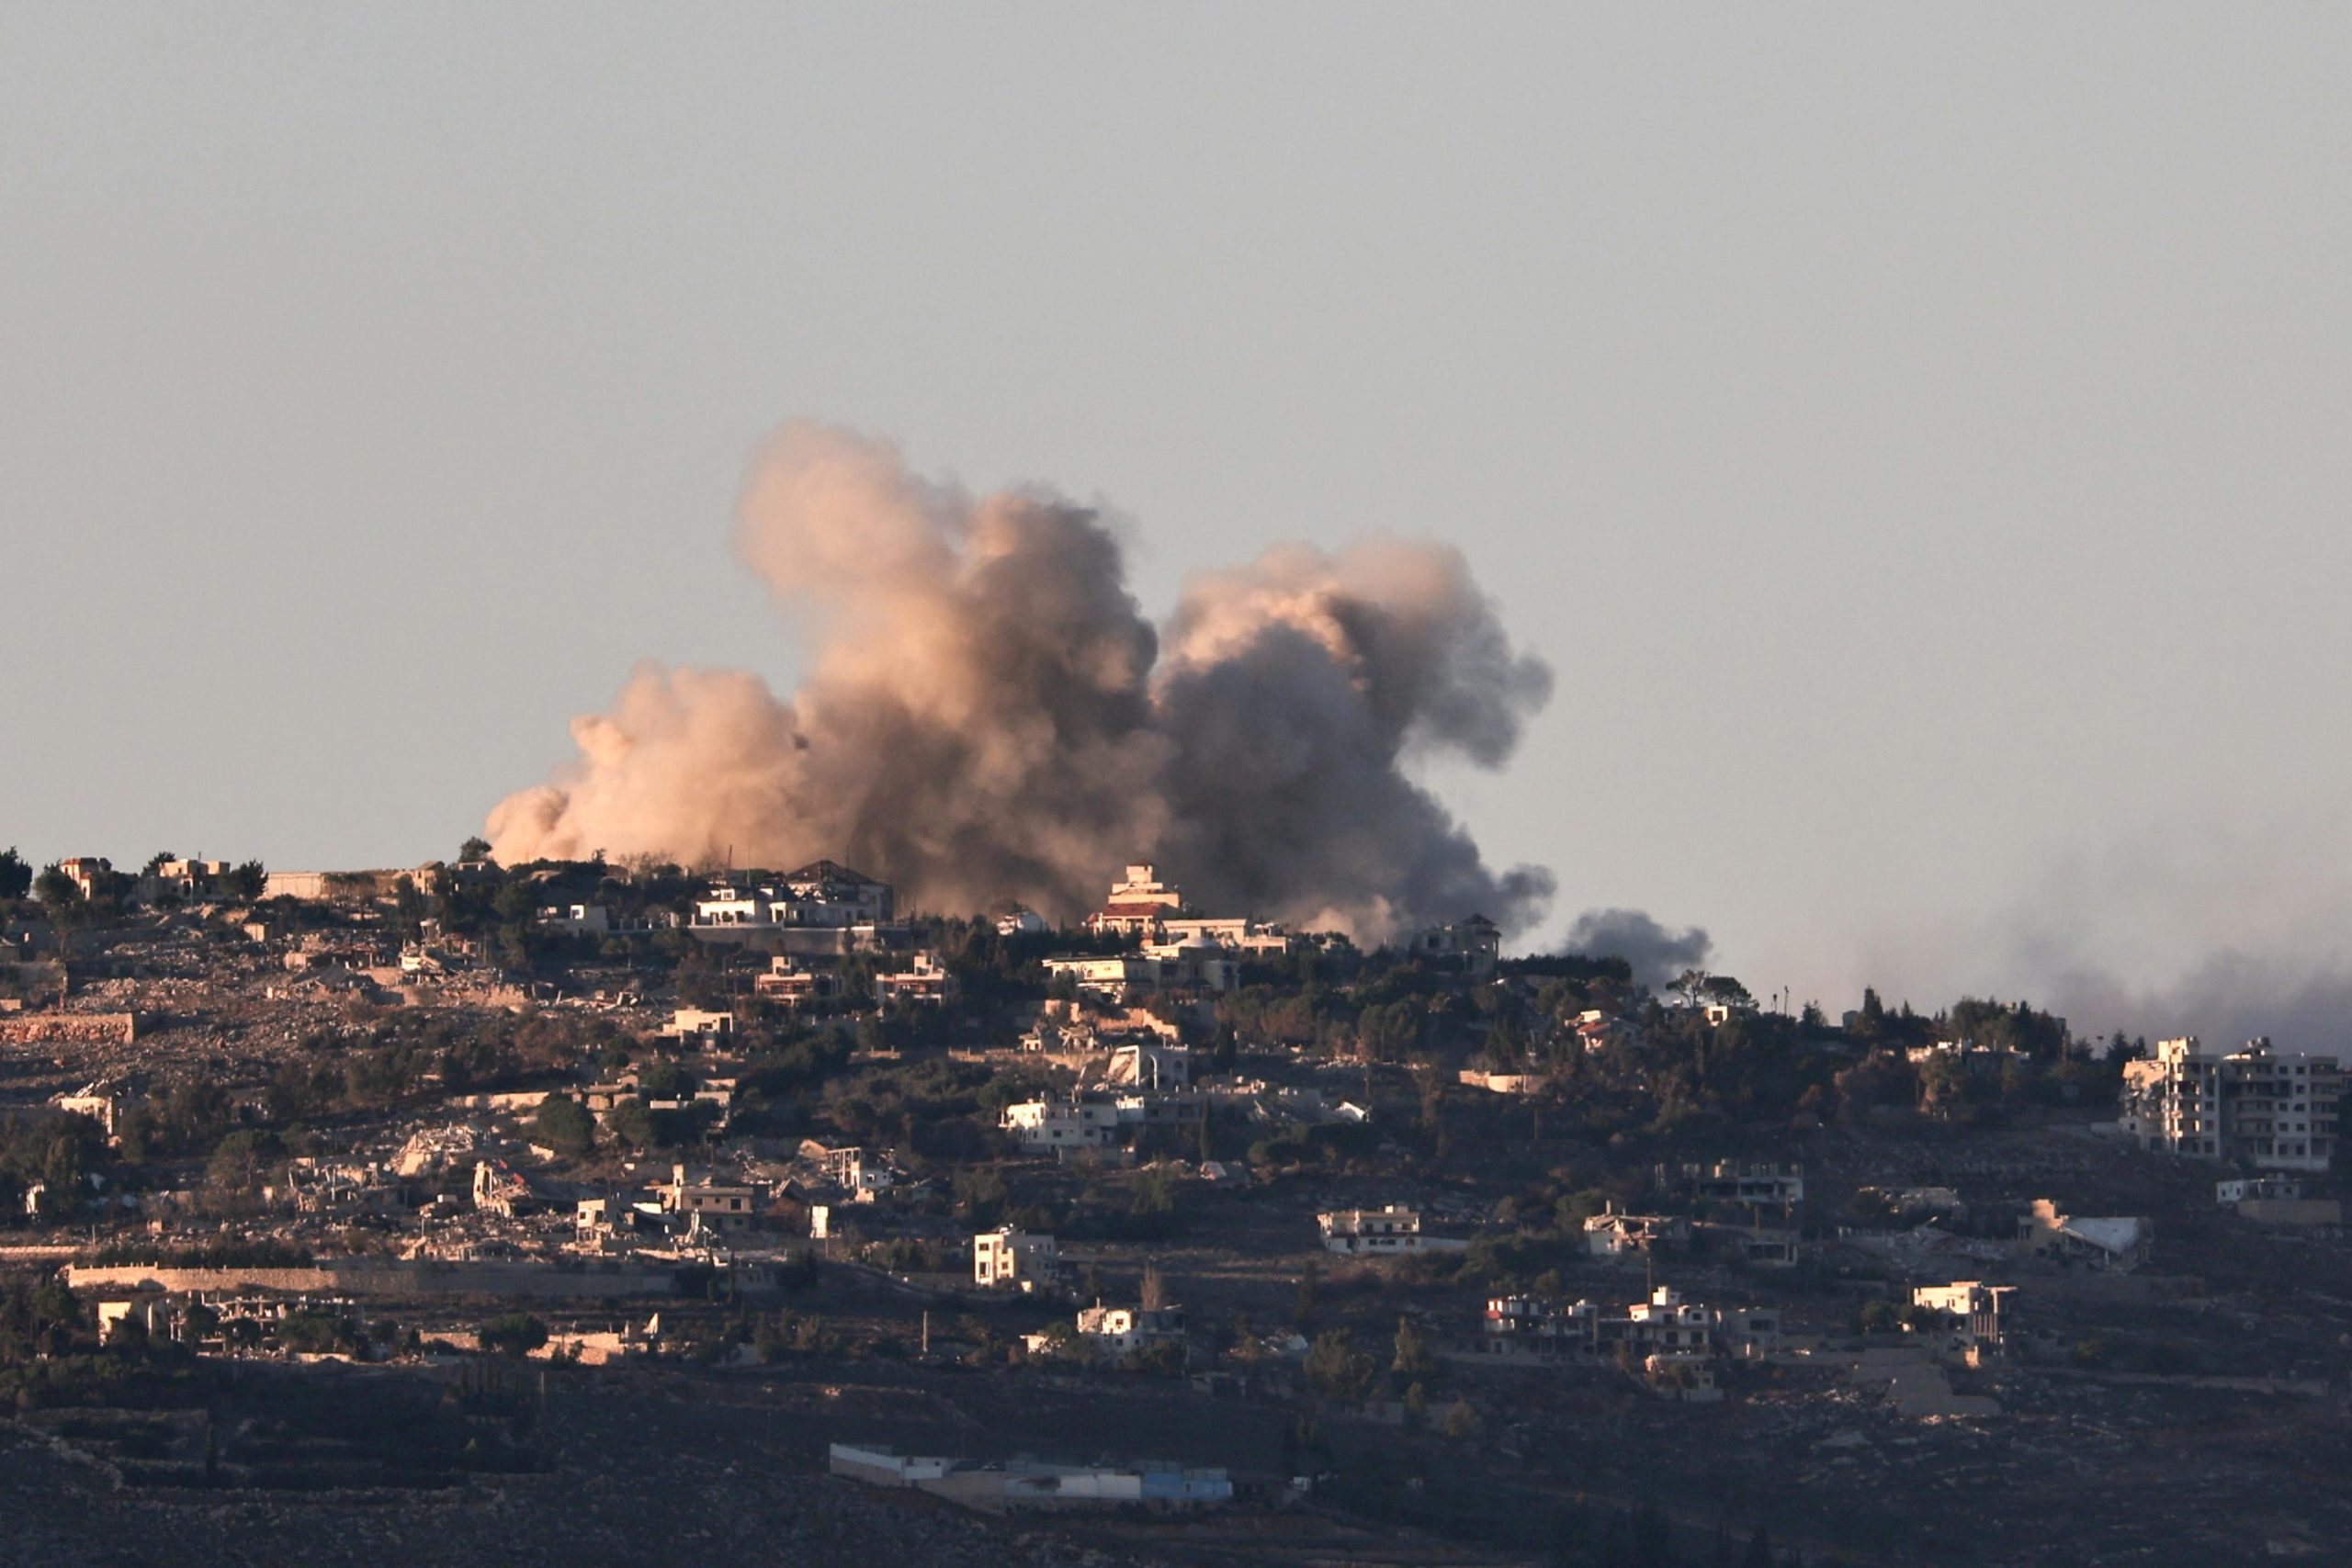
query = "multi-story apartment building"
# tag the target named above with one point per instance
(1391, 1228)
(1665, 1323)
(2272, 1110)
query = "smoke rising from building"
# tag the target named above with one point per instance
(1657, 954)
(988, 716)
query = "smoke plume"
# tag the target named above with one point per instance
(2205, 924)
(1659, 956)
(989, 716)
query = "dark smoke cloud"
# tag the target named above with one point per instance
(1657, 954)
(989, 715)
(2207, 925)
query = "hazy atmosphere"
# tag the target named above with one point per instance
(1912, 442)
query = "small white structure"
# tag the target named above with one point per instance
(696, 1023)
(1024, 1485)
(576, 919)
(1503, 1083)
(92, 1101)
(1115, 1334)
(1150, 1066)
(2278, 1200)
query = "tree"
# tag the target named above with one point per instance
(1413, 1358)
(514, 1334)
(248, 881)
(409, 905)
(1304, 1315)
(60, 892)
(239, 1161)
(475, 848)
(1870, 1024)
(629, 1122)
(15, 874)
(564, 1125)
(1340, 1372)
(1385, 1032)
(312, 1332)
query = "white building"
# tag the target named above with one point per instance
(2274, 1112)
(1735, 1181)
(1150, 1066)
(1975, 1314)
(1137, 905)
(789, 984)
(1043, 1126)
(99, 1104)
(1664, 1325)
(1123, 978)
(848, 1168)
(1613, 1236)
(1005, 1258)
(1119, 976)
(1050, 1126)
(1237, 933)
(696, 1023)
(2120, 1243)
(924, 982)
(1388, 1231)
(1195, 963)
(707, 1205)
(2229, 1195)
(576, 919)
(1473, 946)
(1114, 1333)
(822, 894)
(85, 873)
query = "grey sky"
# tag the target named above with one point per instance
(1914, 436)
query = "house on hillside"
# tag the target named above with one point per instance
(1390, 1230)
(1473, 946)
(2121, 1244)
(1006, 1259)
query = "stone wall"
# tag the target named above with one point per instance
(367, 1277)
(68, 1028)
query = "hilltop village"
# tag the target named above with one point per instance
(616, 1211)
